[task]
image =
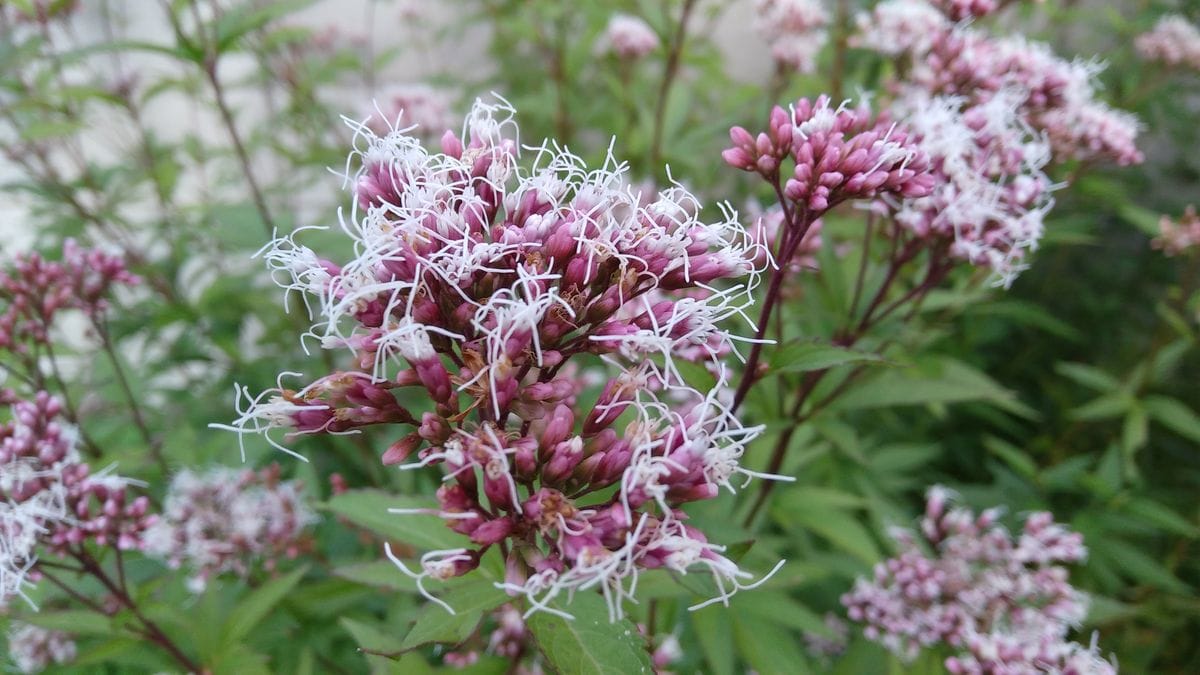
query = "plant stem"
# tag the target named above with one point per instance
(149, 628)
(135, 410)
(670, 73)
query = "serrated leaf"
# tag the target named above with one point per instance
(806, 356)
(369, 508)
(256, 606)
(590, 644)
(470, 601)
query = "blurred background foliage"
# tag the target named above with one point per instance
(187, 132)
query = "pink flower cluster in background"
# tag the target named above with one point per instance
(1002, 603)
(34, 290)
(34, 649)
(226, 520)
(478, 284)
(795, 30)
(1057, 96)
(49, 497)
(1174, 41)
(404, 106)
(1179, 237)
(628, 38)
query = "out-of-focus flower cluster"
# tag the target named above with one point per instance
(49, 497)
(795, 31)
(34, 290)
(1179, 237)
(832, 645)
(419, 105)
(1056, 97)
(1174, 41)
(487, 283)
(225, 520)
(628, 38)
(33, 648)
(1004, 604)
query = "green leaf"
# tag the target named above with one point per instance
(1174, 415)
(470, 601)
(369, 508)
(939, 382)
(1134, 563)
(1134, 432)
(256, 606)
(1088, 376)
(1105, 407)
(713, 632)
(75, 621)
(805, 356)
(769, 649)
(589, 644)
(378, 573)
(1162, 517)
(841, 529)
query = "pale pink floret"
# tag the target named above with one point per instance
(1180, 237)
(34, 649)
(628, 37)
(1174, 41)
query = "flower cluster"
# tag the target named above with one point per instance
(49, 497)
(477, 286)
(224, 520)
(991, 194)
(628, 38)
(1058, 97)
(33, 648)
(1174, 41)
(795, 31)
(831, 645)
(1004, 605)
(406, 106)
(1178, 237)
(33, 290)
(839, 154)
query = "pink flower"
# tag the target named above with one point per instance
(1003, 606)
(628, 37)
(1174, 41)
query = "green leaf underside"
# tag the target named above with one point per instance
(589, 644)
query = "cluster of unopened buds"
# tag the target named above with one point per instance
(34, 649)
(226, 520)
(837, 154)
(628, 38)
(1003, 604)
(33, 290)
(944, 58)
(794, 29)
(50, 498)
(1177, 237)
(1174, 41)
(493, 286)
